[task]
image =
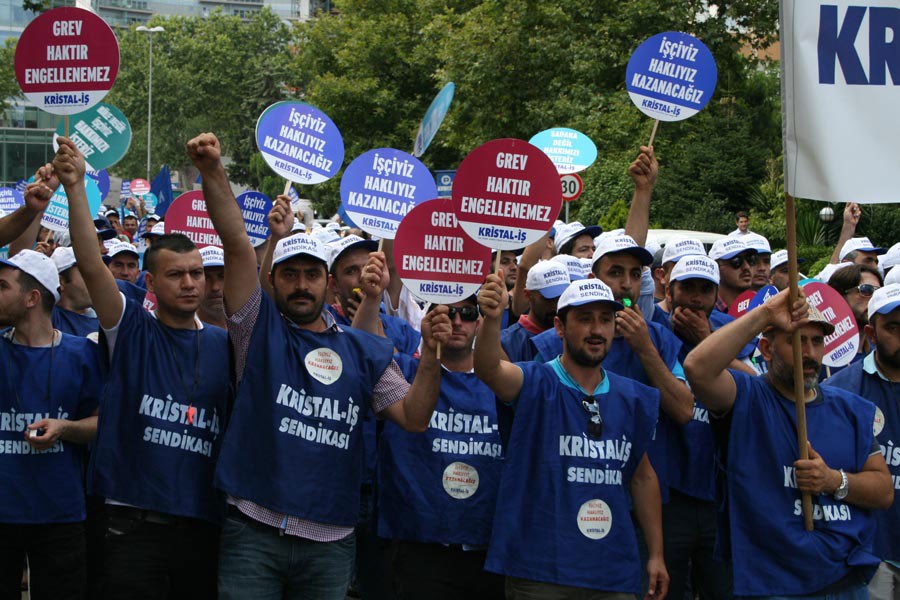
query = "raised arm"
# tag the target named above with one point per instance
(852, 214)
(643, 172)
(27, 217)
(281, 220)
(374, 280)
(504, 378)
(68, 166)
(240, 259)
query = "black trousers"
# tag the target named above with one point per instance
(438, 572)
(56, 558)
(149, 556)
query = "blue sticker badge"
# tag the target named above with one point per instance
(570, 150)
(763, 296)
(671, 76)
(56, 217)
(101, 178)
(380, 186)
(433, 118)
(10, 199)
(255, 207)
(444, 180)
(299, 142)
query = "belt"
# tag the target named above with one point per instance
(235, 513)
(147, 516)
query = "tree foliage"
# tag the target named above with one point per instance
(9, 87)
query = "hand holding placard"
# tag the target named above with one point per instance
(281, 218)
(493, 297)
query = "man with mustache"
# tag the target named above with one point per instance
(577, 452)
(736, 263)
(762, 529)
(877, 378)
(212, 306)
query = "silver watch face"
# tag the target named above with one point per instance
(843, 489)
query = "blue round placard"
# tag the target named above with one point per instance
(570, 150)
(56, 216)
(255, 207)
(433, 118)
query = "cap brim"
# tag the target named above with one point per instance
(887, 308)
(687, 276)
(613, 303)
(828, 327)
(213, 264)
(6, 263)
(295, 255)
(730, 255)
(106, 234)
(641, 253)
(553, 291)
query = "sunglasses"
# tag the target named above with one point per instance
(595, 421)
(737, 261)
(466, 313)
(865, 290)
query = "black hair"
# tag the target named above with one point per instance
(174, 242)
(742, 214)
(847, 278)
(29, 283)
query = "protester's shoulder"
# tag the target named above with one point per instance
(662, 336)
(719, 319)
(632, 391)
(80, 348)
(369, 340)
(847, 378)
(536, 372)
(842, 396)
(214, 334)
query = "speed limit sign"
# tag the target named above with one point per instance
(572, 186)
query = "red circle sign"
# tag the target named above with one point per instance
(506, 194)
(67, 60)
(436, 261)
(188, 215)
(572, 186)
(139, 187)
(741, 304)
(842, 345)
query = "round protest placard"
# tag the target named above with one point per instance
(763, 296)
(67, 60)
(101, 178)
(101, 133)
(506, 194)
(10, 200)
(671, 76)
(741, 304)
(255, 207)
(139, 187)
(435, 260)
(151, 201)
(188, 215)
(433, 118)
(56, 216)
(299, 142)
(570, 150)
(381, 186)
(842, 345)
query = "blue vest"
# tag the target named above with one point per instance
(563, 508)
(622, 360)
(132, 291)
(46, 486)
(150, 452)
(74, 323)
(773, 553)
(295, 443)
(886, 396)
(515, 342)
(440, 486)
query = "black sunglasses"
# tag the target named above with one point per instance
(865, 289)
(466, 313)
(735, 263)
(595, 421)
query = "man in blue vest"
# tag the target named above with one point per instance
(772, 553)
(292, 461)
(73, 314)
(162, 414)
(877, 378)
(576, 459)
(546, 282)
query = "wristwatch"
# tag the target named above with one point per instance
(844, 488)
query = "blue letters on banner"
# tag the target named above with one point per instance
(255, 208)
(570, 150)
(125, 190)
(299, 142)
(22, 184)
(769, 291)
(433, 118)
(837, 45)
(380, 186)
(10, 199)
(671, 76)
(56, 216)
(101, 178)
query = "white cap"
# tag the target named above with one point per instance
(297, 244)
(578, 268)
(728, 247)
(586, 291)
(350, 242)
(333, 226)
(212, 256)
(652, 246)
(116, 249)
(549, 278)
(38, 266)
(298, 226)
(64, 258)
(676, 248)
(158, 230)
(696, 267)
(829, 270)
(780, 257)
(620, 242)
(569, 231)
(884, 300)
(326, 235)
(892, 277)
(757, 242)
(861, 244)
(891, 258)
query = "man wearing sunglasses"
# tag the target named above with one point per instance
(762, 529)
(577, 451)
(877, 378)
(736, 261)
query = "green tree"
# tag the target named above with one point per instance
(9, 86)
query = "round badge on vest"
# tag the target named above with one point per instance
(460, 480)
(878, 425)
(325, 365)
(595, 519)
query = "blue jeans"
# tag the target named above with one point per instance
(256, 562)
(856, 593)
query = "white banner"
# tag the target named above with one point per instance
(840, 62)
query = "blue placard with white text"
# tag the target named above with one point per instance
(570, 150)
(56, 216)
(101, 178)
(255, 207)
(11, 199)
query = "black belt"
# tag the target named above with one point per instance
(147, 516)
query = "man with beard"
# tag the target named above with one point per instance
(212, 306)
(762, 527)
(578, 446)
(877, 378)
(304, 384)
(736, 262)
(546, 282)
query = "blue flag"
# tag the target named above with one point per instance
(162, 187)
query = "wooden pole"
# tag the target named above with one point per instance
(653, 133)
(799, 391)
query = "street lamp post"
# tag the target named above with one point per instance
(150, 31)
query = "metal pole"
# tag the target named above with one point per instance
(150, 107)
